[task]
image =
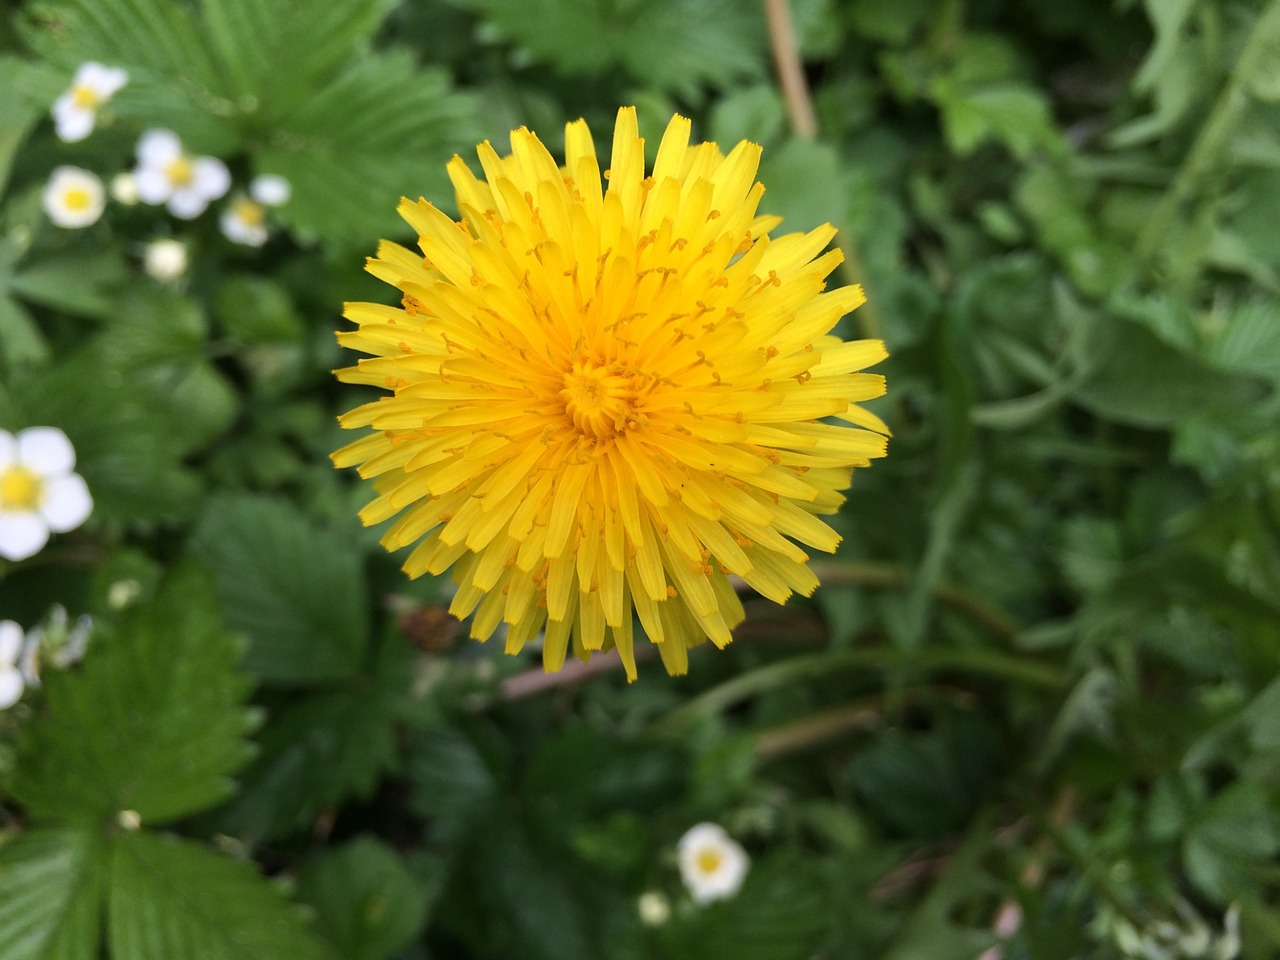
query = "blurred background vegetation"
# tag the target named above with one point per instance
(1033, 710)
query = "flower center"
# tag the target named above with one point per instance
(708, 860)
(20, 489)
(249, 212)
(600, 400)
(180, 172)
(75, 198)
(84, 96)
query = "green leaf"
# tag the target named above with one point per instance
(381, 130)
(172, 898)
(1017, 115)
(17, 117)
(253, 37)
(51, 887)
(455, 785)
(676, 45)
(367, 903)
(320, 751)
(296, 589)
(78, 283)
(255, 310)
(21, 342)
(780, 913)
(153, 722)
(1138, 379)
(1249, 341)
(1238, 829)
(803, 185)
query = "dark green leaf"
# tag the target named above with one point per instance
(367, 903)
(173, 898)
(153, 722)
(297, 590)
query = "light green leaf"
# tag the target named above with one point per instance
(1015, 114)
(1249, 340)
(803, 185)
(152, 723)
(171, 899)
(1138, 379)
(79, 283)
(253, 37)
(382, 130)
(17, 117)
(676, 45)
(367, 903)
(50, 895)
(297, 590)
(21, 342)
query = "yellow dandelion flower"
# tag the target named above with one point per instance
(610, 400)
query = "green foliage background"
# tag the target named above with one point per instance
(1041, 672)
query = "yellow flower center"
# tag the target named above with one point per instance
(708, 860)
(84, 96)
(599, 399)
(20, 489)
(76, 198)
(249, 212)
(180, 172)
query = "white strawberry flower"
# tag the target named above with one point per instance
(39, 492)
(76, 112)
(12, 682)
(73, 198)
(167, 174)
(245, 218)
(712, 864)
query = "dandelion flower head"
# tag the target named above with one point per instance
(610, 393)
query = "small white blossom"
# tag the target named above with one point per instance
(167, 174)
(712, 864)
(124, 189)
(271, 189)
(39, 493)
(165, 260)
(73, 198)
(244, 221)
(12, 682)
(76, 111)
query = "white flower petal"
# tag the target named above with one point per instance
(211, 179)
(186, 203)
(158, 148)
(11, 687)
(22, 534)
(152, 185)
(271, 189)
(46, 450)
(109, 80)
(11, 639)
(73, 123)
(712, 864)
(67, 503)
(8, 449)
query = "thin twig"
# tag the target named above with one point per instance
(786, 58)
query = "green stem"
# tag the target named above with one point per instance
(1001, 624)
(999, 665)
(1226, 112)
